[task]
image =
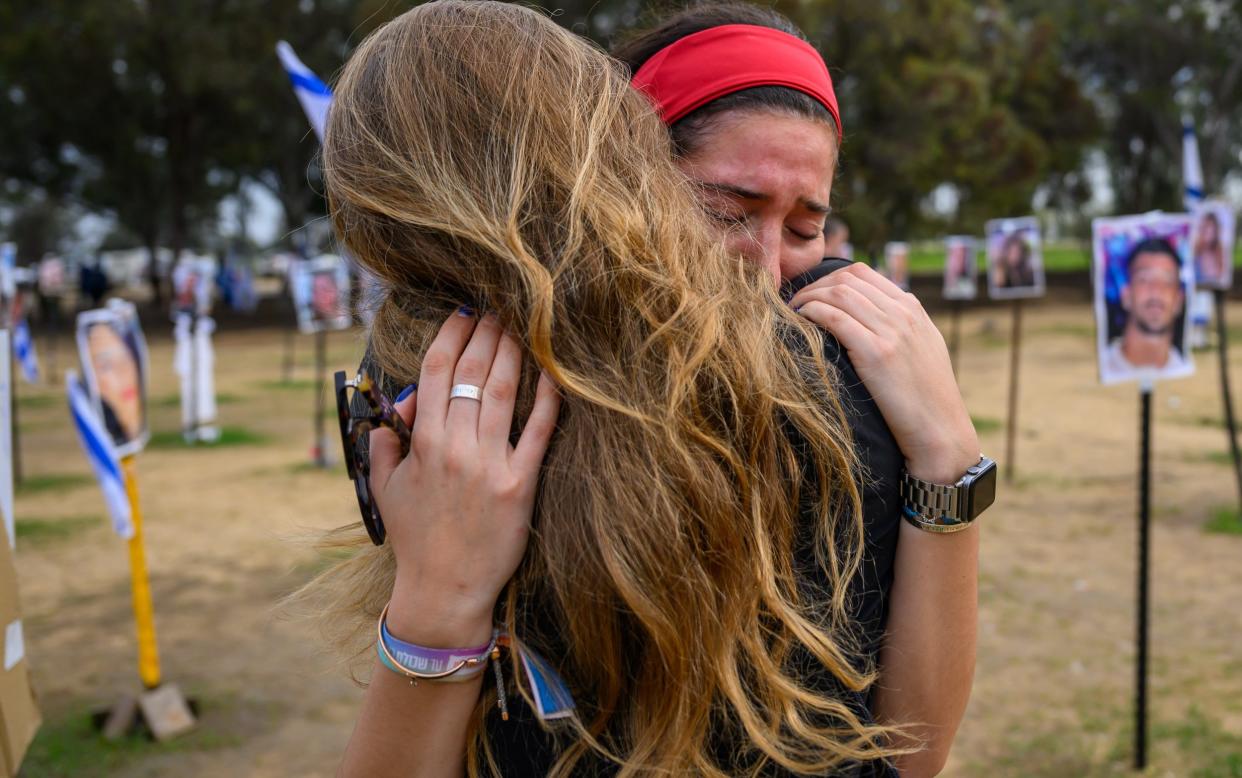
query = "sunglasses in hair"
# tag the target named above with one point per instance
(357, 420)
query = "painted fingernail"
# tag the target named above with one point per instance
(406, 392)
(465, 311)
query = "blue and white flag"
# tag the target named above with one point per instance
(99, 449)
(1192, 169)
(312, 93)
(24, 350)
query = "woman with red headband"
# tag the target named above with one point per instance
(754, 123)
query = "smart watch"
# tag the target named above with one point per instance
(939, 508)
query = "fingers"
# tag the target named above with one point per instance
(848, 330)
(473, 368)
(385, 453)
(436, 377)
(499, 395)
(856, 274)
(528, 455)
(858, 303)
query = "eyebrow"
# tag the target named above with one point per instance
(746, 194)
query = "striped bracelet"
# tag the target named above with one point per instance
(439, 665)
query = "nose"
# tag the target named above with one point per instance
(762, 247)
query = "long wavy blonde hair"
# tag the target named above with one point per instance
(477, 153)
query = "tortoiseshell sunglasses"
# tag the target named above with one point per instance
(356, 423)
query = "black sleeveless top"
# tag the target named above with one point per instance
(522, 748)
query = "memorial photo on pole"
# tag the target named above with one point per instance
(897, 264)
(960, 268)
(1015, 259)
(114, 365)
(321, 294)
(1143, 278)
(1212, 240)
(192, 287)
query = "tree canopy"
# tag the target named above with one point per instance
(152, 111)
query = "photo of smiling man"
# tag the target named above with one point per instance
(1143, 280)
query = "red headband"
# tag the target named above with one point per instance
(719, 61)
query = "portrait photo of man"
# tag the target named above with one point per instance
(1144, 280)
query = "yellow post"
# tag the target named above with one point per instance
(144, 614)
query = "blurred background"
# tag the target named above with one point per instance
(136, 133)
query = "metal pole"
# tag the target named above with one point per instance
(144, 612)
(1144, 594)
(1011, 432)
(1222, 341)
(287, 372)
(17, 433)
(321, 360)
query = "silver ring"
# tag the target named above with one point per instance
(468, 391)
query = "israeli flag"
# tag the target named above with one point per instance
(97, 444)
(312, 93)
(24, 350)
(1192, 170)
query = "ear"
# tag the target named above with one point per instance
(1127, 298)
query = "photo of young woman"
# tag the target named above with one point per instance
(113, 353)
(1015, 259)
(1213, 241)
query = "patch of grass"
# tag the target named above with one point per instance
(334, 468)
(33, 401)
(1066, 328)
(229, 436)
(928, 258)
(51, 482)
(1225, 521)
(71, 746)
(1218, 457)
(174, 400)
(292, 385)
(43, 531)
(984, 424)
(1219, 753)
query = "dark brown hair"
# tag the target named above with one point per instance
(635, 49)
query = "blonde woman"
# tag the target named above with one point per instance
(697, 520)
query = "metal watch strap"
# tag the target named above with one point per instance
(932, 507)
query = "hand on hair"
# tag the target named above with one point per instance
(902, 359)
(458, 508)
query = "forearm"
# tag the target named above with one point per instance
(928, 659)
(406, 730)
(417, 730)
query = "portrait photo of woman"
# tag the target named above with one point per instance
(1015, 259)
(959, 268)
(1213, 243)
(114, 362)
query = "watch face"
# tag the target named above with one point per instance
(982, 490)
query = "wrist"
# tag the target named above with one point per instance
(943, 465)
(427, 619)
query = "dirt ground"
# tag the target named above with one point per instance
(227, 528)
